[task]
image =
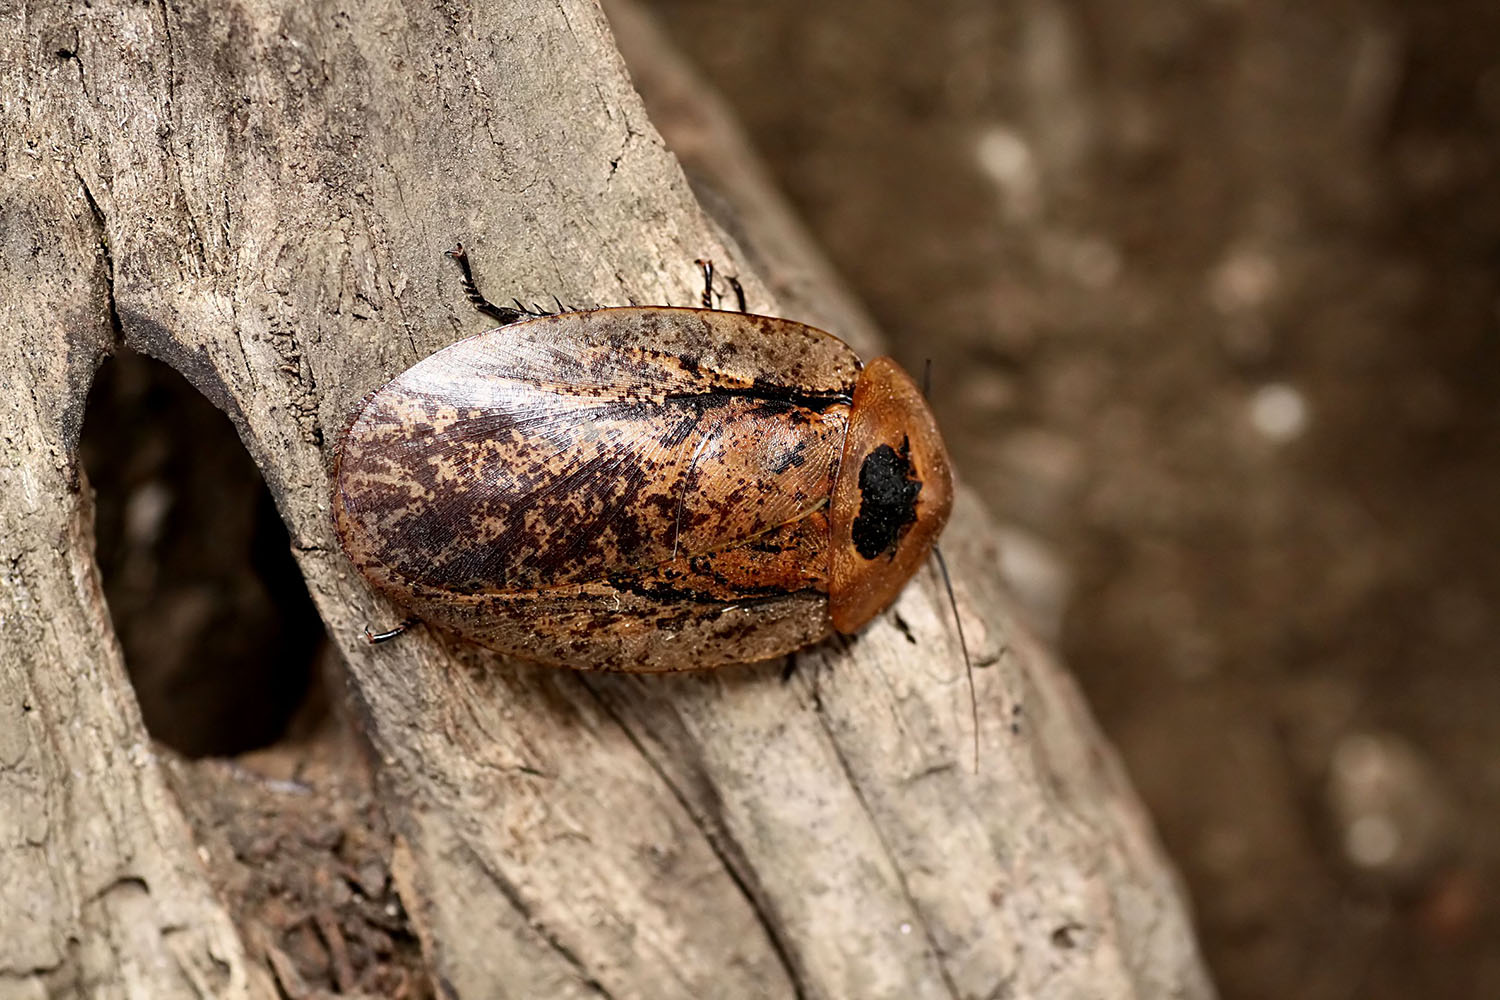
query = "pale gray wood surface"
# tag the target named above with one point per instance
(259, 195)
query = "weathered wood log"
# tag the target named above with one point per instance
(259, 195)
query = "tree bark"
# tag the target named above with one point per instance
(259, 195)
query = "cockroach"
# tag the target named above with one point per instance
(642, 488)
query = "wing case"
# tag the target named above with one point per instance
(589, 449)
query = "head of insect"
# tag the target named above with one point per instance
(891, 498)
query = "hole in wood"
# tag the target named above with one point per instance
(219, 634)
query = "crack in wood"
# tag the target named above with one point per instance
(725, 848)
(116, 327)
(512, 895)
(918, 916)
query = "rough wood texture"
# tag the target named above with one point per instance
(259, 195)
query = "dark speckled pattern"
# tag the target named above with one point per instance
(634, 489)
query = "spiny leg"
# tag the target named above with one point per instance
(708, 281)
(708, 285)
(375, 638)
(532, 310)
(503, 314)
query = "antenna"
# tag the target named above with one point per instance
(964, 645)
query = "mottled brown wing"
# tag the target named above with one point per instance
(561, 449)
(751, 602)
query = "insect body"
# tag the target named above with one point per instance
(643, 488)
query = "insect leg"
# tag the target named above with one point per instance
(708, 286)
(503, 314)
(375, 638)
(708, 281)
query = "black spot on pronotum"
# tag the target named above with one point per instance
(888, 492)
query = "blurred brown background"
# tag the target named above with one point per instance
(1210, 290)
